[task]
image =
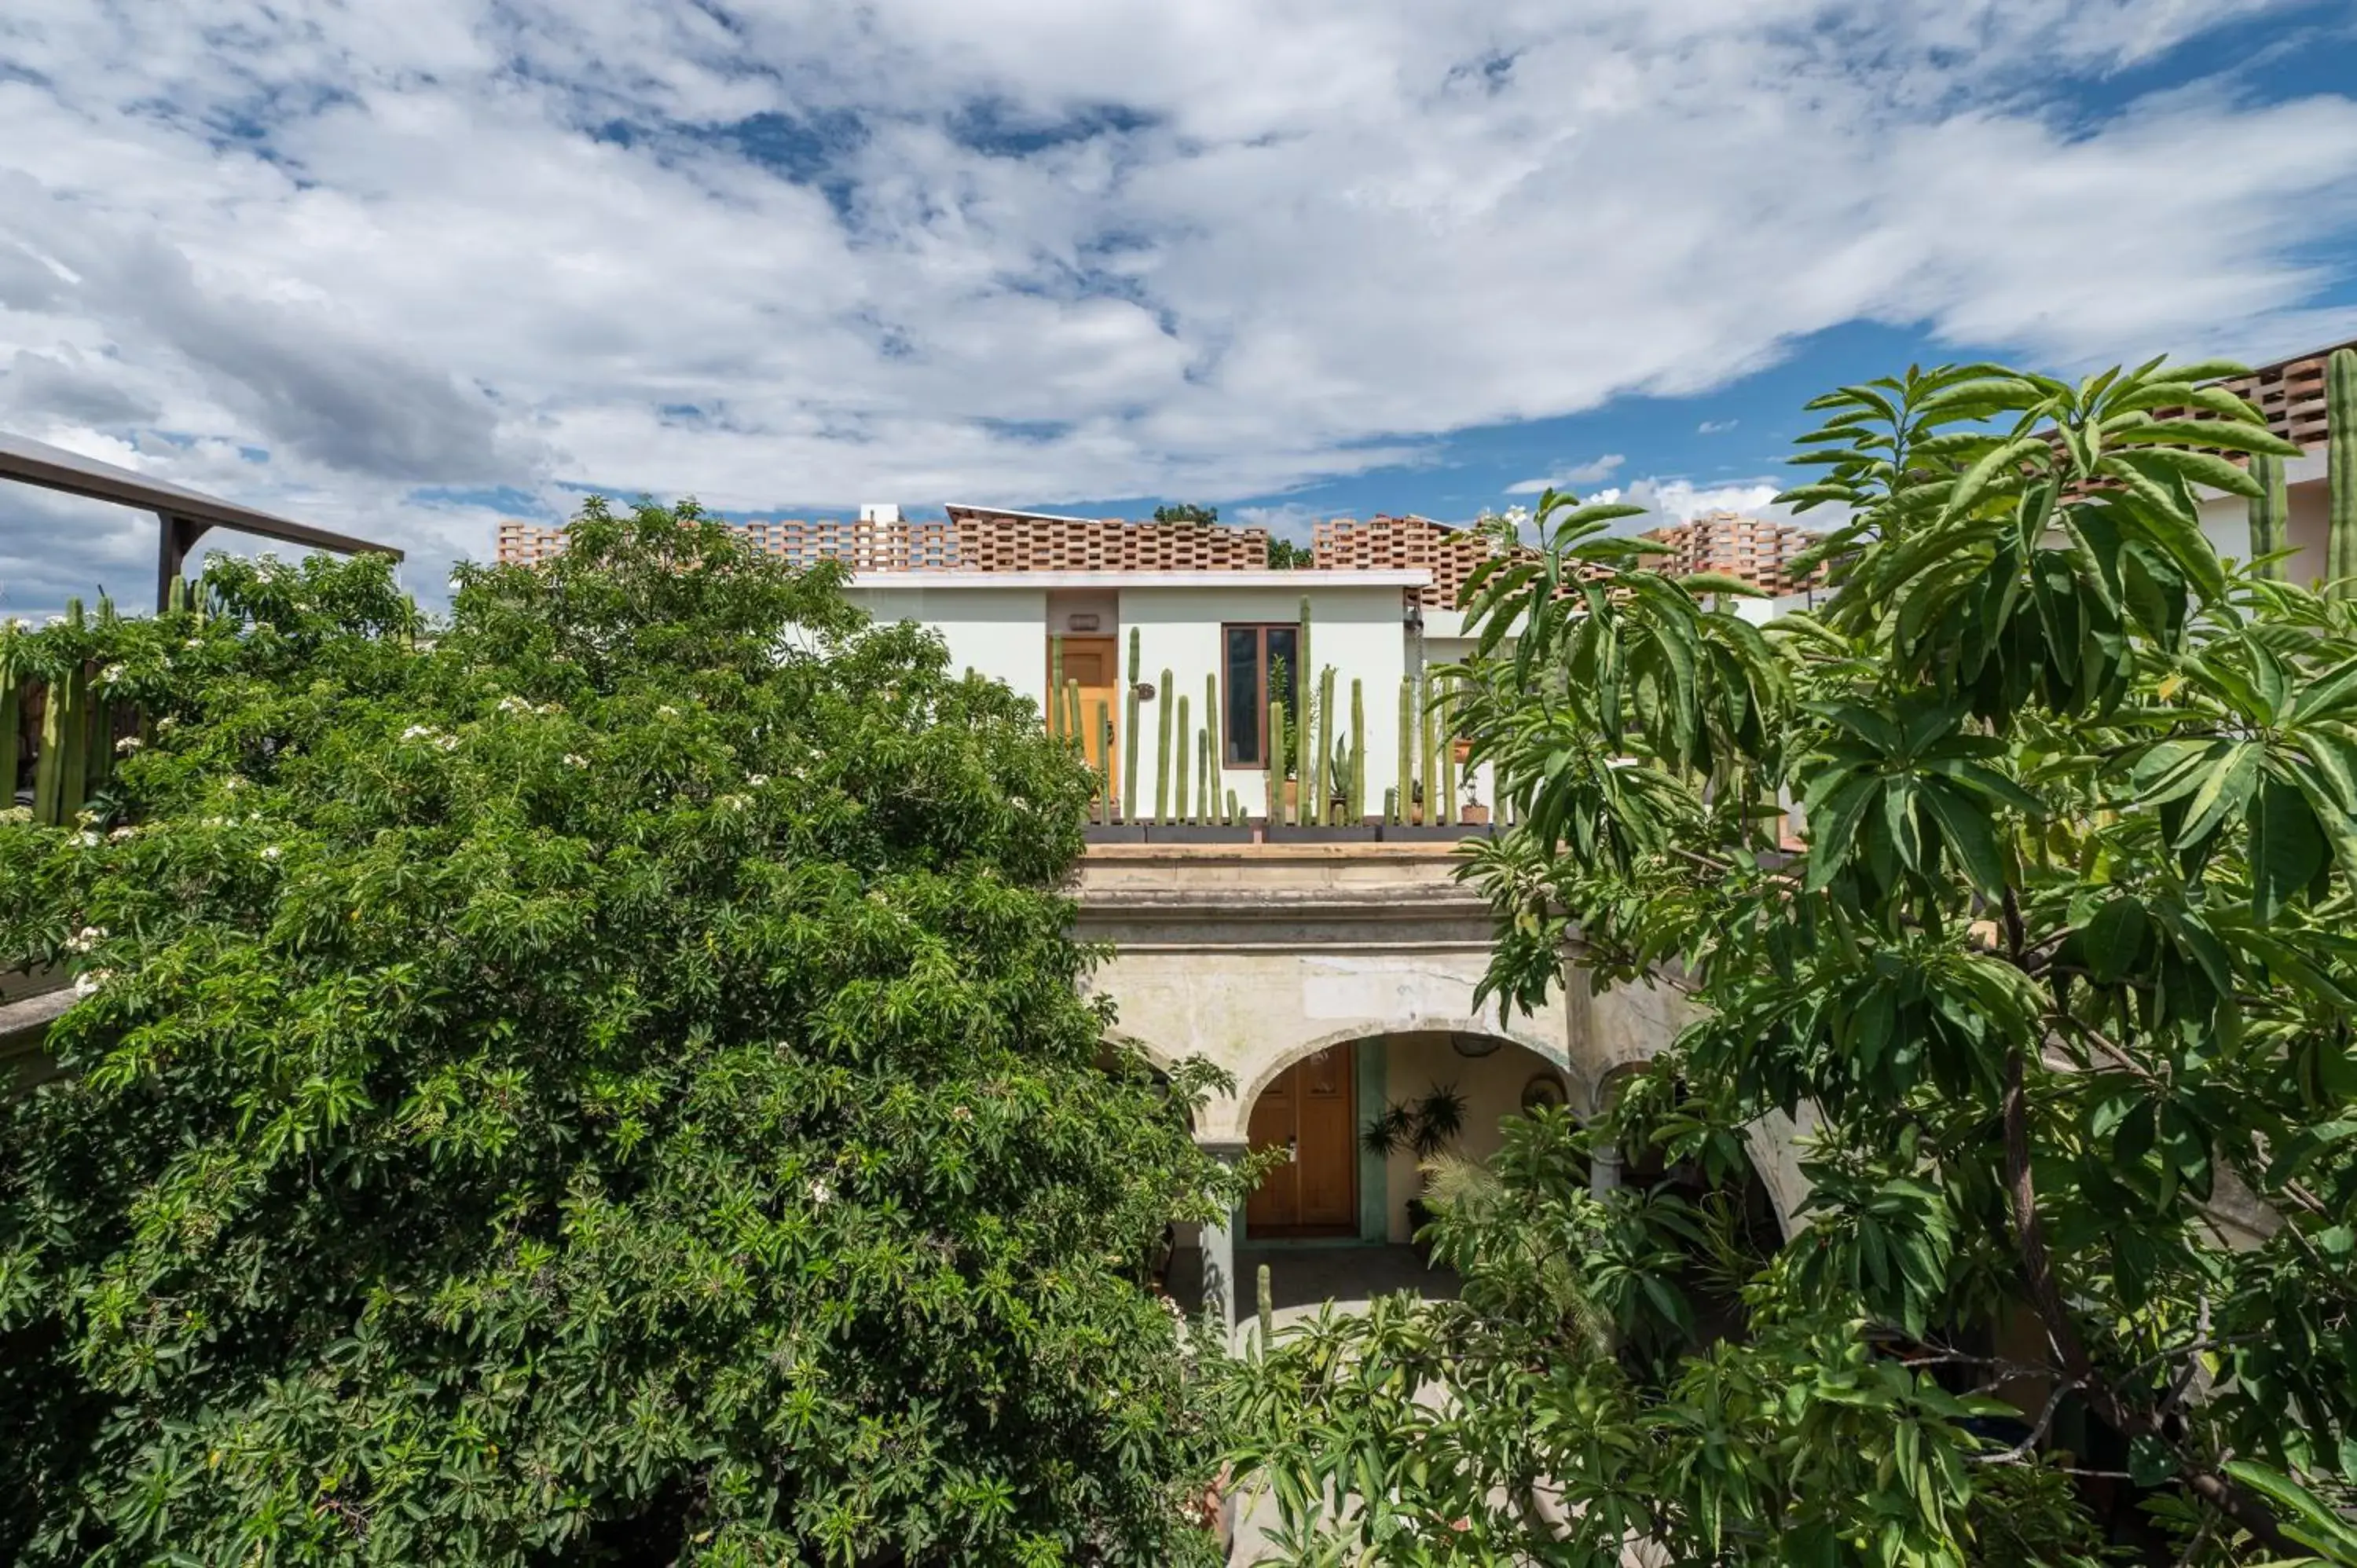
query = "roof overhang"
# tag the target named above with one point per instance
(185, 513)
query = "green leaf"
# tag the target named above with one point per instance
(2287, 847)
(2112, 941)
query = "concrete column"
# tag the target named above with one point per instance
(1221, 1289)
(1603, 1171)
(1604, 1160)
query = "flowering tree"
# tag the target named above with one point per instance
(2062, 969)
(600, 1080)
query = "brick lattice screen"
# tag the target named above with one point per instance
(972, 540)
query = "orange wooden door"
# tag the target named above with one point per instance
(1094, 662)
(1309, 1110)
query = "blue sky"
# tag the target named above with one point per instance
(402, 272)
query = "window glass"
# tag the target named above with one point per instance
(1281, 665)
(1247, 709)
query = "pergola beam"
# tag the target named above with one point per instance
(186, 514)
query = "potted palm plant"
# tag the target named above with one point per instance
(1428, 1125)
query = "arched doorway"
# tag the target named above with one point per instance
(1310, 1111)
(1356, 1120)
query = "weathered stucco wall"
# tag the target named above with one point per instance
(1254, 956)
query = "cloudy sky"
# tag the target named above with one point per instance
(402, 269)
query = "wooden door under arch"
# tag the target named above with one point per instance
(1307, 1110)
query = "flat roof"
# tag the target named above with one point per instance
(1416, 577)
(55, 469)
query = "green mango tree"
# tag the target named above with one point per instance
(2060, 979)
(604, 1079)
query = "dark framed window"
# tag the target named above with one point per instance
(1256, 665)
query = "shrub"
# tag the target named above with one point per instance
(602, 1080)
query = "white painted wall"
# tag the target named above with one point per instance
(1357, 630)
(2226, 521)
(1002, 631)
(998, 632)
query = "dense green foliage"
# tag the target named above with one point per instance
(601, 1080)
(2062, 976)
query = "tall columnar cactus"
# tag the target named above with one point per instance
(1206, 792)
(1302, 664)
(1307, 809)
(1358, 752)
(1275, 774)
(1328, 734)
(1211, 772)
(1103, 732)
(1235, 811)
(48, 770)
(1162, 750)
(1055, 684)
(2269, 510)
(12, 708)
(1308, 795)
(98, 739)
(1075, 736)
(73, 744)
(1129, 738)
(1447, 812)
(1186, 745)
(2340, 467)
(1404, 795)
(1424, 721)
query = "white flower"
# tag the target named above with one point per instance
(86, 939)
(166, 722)
(232, 782)
(734, 802)
(194, 642)
(573, 761)
(417, 732)
(86, 818)
(87, 984)
(216, 821)
(757, 779)
(87, 840)
(514, 706)
(121, 833)
(57, 620)
(447, 742)
(110, 675)
(820, 1192)
(271, 851)
(551, 707)
(127, 744)
(667, 710)
(16, 814)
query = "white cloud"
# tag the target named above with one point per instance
(522, 244)
(1668, 500)
(1579, 474)
(1291, 520)
(1715, 427)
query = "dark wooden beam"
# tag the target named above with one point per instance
(185, 513)
(180, 536)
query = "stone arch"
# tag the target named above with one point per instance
(1227, 1119)
(1771, 1144)
(1160, 1059)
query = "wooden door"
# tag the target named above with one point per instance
(1095, 663)
(1310, 1110)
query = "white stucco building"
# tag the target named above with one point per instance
(1020, 595)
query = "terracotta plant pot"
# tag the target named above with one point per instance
(1474, 815)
